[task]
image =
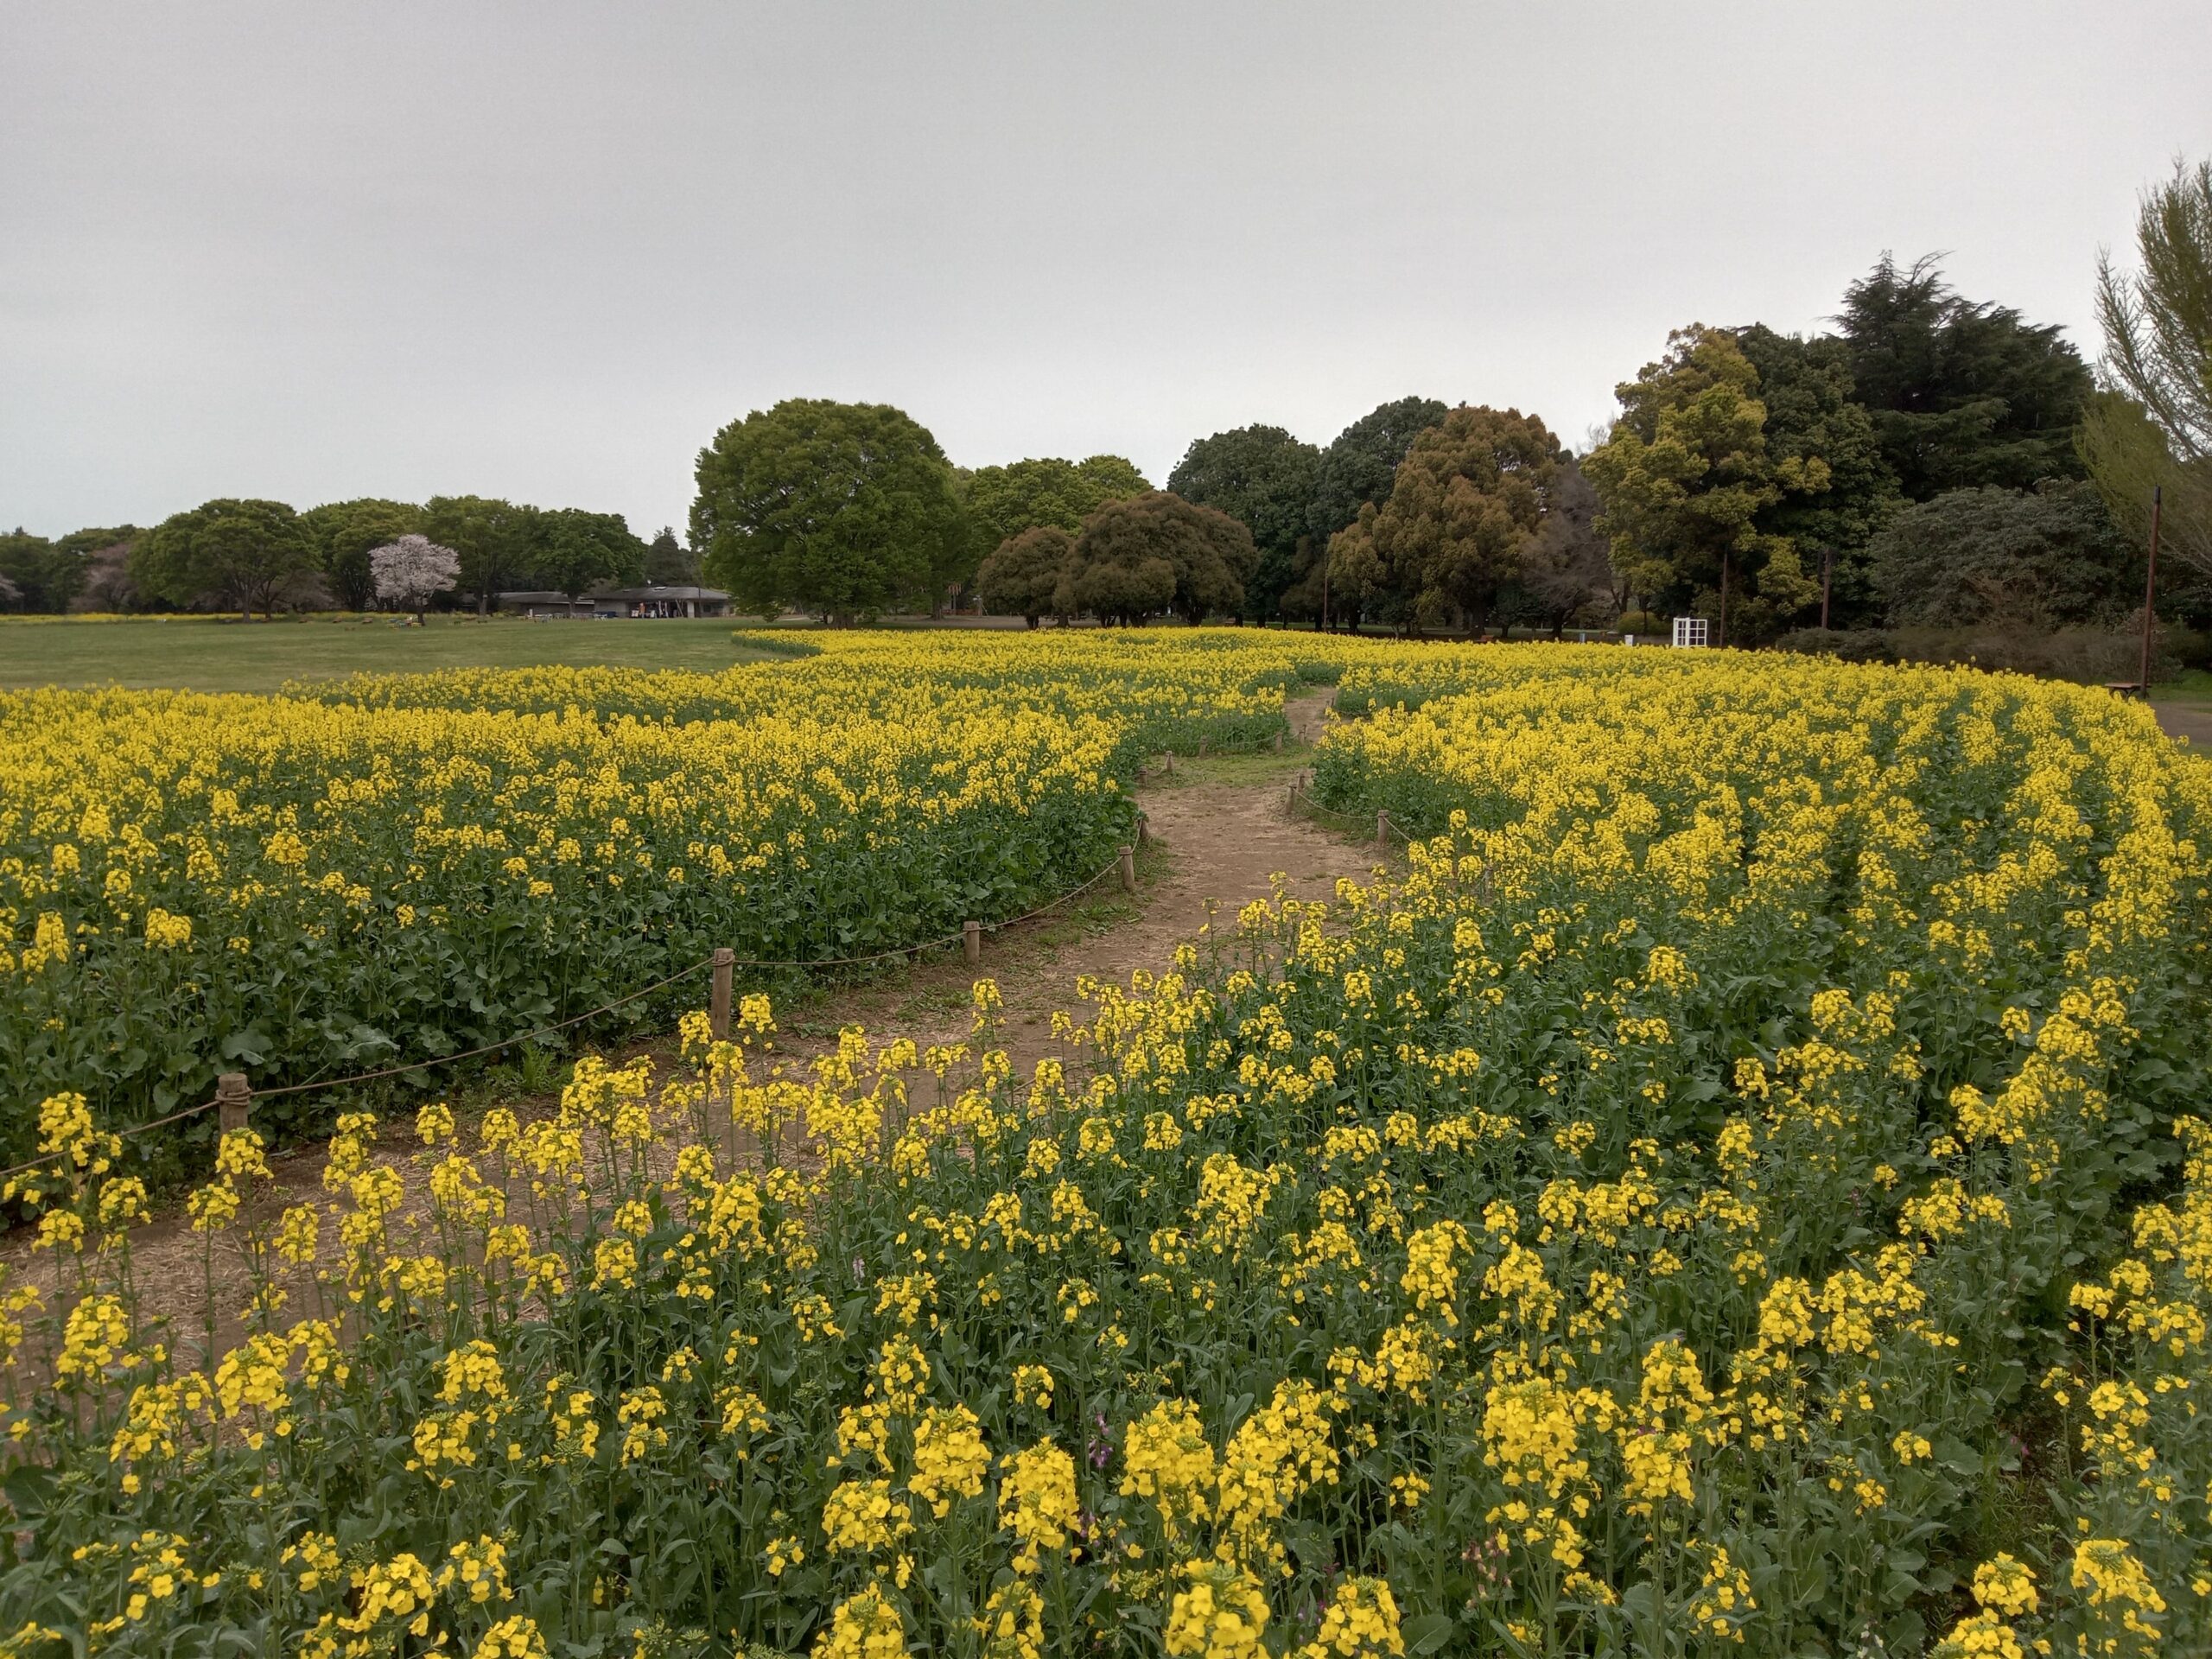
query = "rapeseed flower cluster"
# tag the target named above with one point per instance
(1577, 1239)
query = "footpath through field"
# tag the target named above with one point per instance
(1220, 836)
(2189, 720)
(1221, 833)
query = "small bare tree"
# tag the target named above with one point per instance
(409, 571)
(2152, 426)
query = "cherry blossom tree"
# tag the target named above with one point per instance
(407, 571)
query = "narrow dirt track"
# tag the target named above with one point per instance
(1221, 834)
(2189, 721)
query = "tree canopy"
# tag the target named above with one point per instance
(1685, 476)
(241, 553)
(1024, 576)
(407, 571)
(1818, 434)
(668, 563)
(1355, 470)
(1963, 393)
(1361, 462)
(40, 575)
(497, 540)
(2152, 428)
(1470, 495)
(47, 575)
(1157, 552)
(1263, 478)
(345, 532)
(1567, 571)
(844, 509)
(578, 551)
(2023, 558)
(1004, 501)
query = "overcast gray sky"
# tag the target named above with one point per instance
(544, 249)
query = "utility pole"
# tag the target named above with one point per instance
(2151, 587)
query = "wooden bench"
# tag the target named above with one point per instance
(2126, 687)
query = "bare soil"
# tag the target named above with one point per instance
(2189, 721)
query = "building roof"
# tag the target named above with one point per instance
(651, 591)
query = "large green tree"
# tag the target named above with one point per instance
(578, 550)
(496, 539)
(1024, 575)
(1128, 549)
(1818, 434)
(1357, 470)
(102, 579)
(670, 563)
(345, 532)
(2153, 429)
(48, 574)
(1004, 501)
(1468, 498)
(2032, 559)
(1263, 478)
(1963, 393)
(83, 543)
(1566, 572)
(42, 575)
(1683, 479)
(847, 510)
(238, 553)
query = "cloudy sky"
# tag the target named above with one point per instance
(544, 249)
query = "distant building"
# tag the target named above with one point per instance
(652, 599)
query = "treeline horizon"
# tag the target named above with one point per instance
(1935, 460)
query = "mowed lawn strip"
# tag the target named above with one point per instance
(228, 655)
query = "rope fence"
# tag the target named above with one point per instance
(1302, 800)
(234, 1095)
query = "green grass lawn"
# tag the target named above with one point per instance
(228, 655)
(2193, 687)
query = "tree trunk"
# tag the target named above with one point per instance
(1723, 640)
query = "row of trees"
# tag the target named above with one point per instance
(248, 556)
(850, 510)
(1935, 459)
(1752, 474)
(1132, 557)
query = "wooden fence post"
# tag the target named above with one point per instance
(1278, 743)
(1382, 829)
(974, 935)
(1128, 870)
(233, 1101)
(718, 1003)
(1202, 748)
(1144, 830)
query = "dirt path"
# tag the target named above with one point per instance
(1221, 833)
(2192, 721)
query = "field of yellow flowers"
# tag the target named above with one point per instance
(382, 871)
(1738, 1188)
